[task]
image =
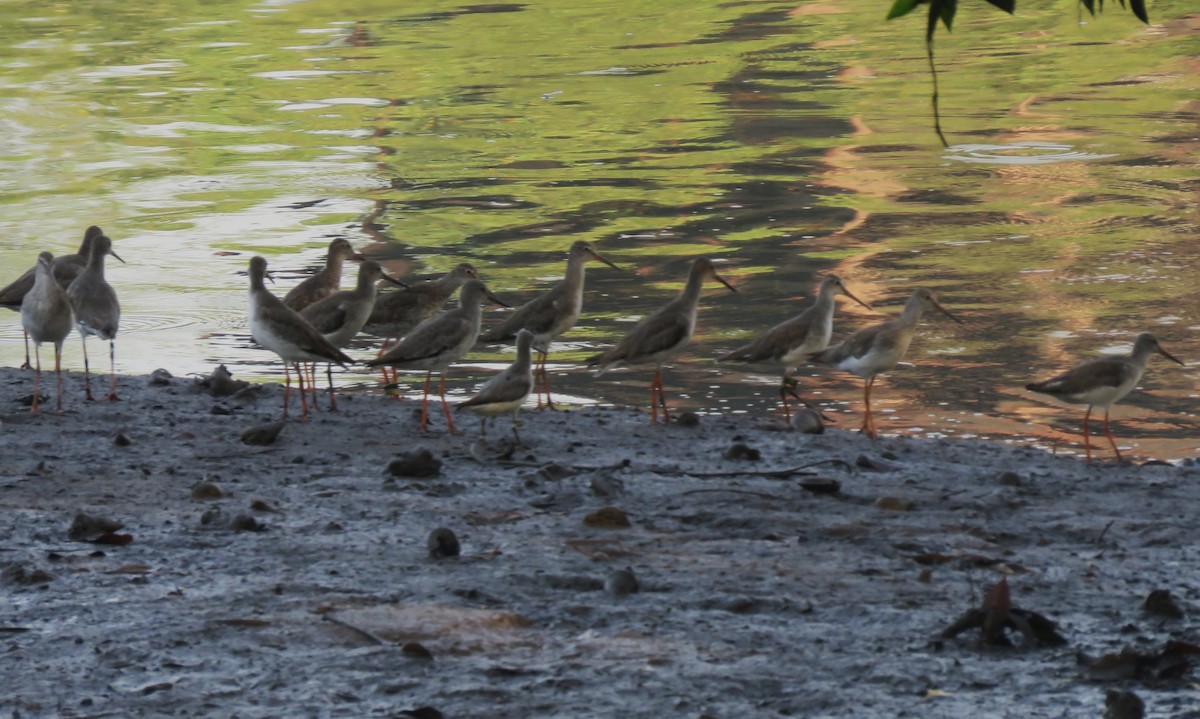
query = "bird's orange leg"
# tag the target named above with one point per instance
(783, 393)
(662, 397)
(329, 379)
(287, 389)
(37, 380)
(1087, 444)
(1108, 434)
(425, 403)
(112, 371)
(868, 425)
(446, 407)
(546, 381)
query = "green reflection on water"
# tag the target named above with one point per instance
(788, 139)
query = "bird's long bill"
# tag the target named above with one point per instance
(496, 300)
(722, 280)
(945, 311)
(864, 304)
(358, 257)
(605, 260)
(1170, 356)
(117, 256)
(394, 281)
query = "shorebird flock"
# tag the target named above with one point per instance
(316, 320)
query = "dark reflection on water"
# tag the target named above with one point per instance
(783, 143)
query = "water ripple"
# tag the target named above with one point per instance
(1020, 153)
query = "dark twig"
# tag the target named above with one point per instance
(236, 455)
(937, 117)
(764, 495)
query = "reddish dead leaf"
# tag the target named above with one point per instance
(245, 622)
(113, 538)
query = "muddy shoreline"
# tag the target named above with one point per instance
(301, 585)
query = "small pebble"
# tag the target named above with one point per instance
(207, 490)
(420, 463)
(807, 421)
(1010, 479)
(122, 440)
(621, 583)
(607, 518)
(1123, 704)
(442, 543)
(740, 450)
(262, 434)
(688, 419)
(159, 378)
(1163, 603)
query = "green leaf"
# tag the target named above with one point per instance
(1009, 6)
(1139, 8)
(902, 7)
(947, 8)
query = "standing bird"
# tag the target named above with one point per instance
(397, 313)
(97, 311)
(341, 316)
(878, 348)
(506, 392)
(1102, 383)
(550, 314)
(47, 317)
(791, 341)
(325, 281)
(65, 269)
(662, 335)
(439, 341)
(276, 327)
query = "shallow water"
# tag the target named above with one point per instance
(785, 140)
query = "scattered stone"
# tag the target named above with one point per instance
(246, 396)
(608, 518)
(159, 378)
(422, 713)
(207, 490)
(122, 440)
(688, 419)
(416, 650)
(1162, 603)
(87, 528)
(742, 451)
(260, 505)
(1123, 704)
(894, 504)
(821, 485)
(808, 421)
(621, 583)
(246, 523)
(420, 463)
(263, 434)
(221, 383)
(220, 410)
(1010, 479)
(554, 472)
(606, 486)
(16, 573)
(442, 543)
